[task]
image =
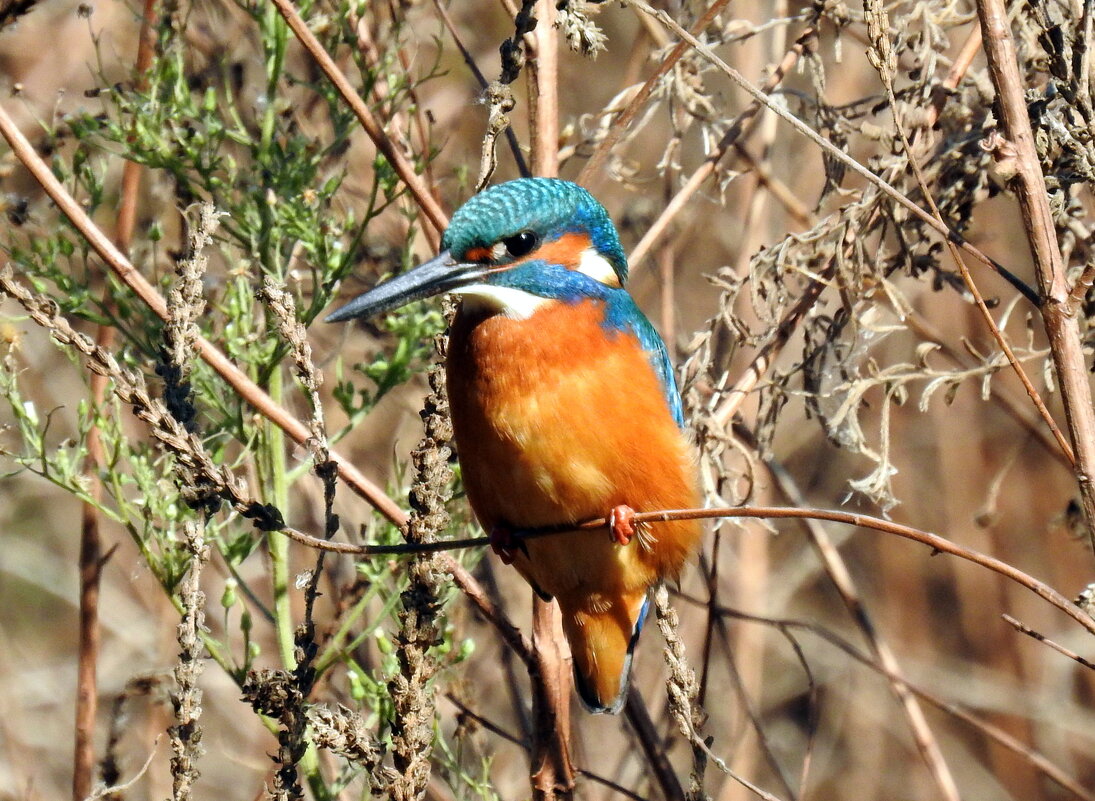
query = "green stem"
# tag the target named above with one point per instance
(279, 543)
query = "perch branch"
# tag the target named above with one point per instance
(934, 541)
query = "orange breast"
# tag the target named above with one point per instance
(557, 421)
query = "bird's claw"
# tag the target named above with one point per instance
(503, 544)
(621, 524)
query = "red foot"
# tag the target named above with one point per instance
(503, 544)
(621, 524)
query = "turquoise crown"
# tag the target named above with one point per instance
(549, 207)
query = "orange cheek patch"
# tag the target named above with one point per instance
(566, 250)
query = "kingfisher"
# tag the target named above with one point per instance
(564, 409)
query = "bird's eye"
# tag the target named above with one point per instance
(520, 244)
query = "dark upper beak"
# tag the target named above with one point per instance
(433, 277)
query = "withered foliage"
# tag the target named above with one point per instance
(830, 354)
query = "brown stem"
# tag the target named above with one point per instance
(91, 546)
(551, 773)
(91, 563)
(1081, 288)
(1035, 635)
(1061, 324)
(543, 61)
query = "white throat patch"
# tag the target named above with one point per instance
(505, 300)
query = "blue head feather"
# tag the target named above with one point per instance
(548, 206)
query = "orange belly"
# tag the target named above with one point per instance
(557, 421)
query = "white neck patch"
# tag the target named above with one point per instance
(505, 300)
(598, 268)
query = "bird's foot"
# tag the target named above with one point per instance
(621, 524)
(503, 543)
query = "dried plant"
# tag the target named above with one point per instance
(834, 205)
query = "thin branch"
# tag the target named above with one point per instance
(738, 130)
(651, 744)
(403, 168)
(764, 360)
(511, 136)
(494, 728)
(1081, 287)
(91, 547)
(842, 580)
(1036, 635)
(934, 541)
(1039, 761)
(551, 768)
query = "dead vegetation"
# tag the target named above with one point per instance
(865, 232)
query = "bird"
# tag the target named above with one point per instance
(564, 409)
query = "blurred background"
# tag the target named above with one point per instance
(875, 387)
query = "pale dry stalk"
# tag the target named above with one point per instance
(420, 630)
(682, 688)
(1061, 322)
(186, 734)
(185, 306)
(498, 95)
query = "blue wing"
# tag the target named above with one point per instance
(627, 316)
(659, 357)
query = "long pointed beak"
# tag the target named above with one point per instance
(433, 277)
